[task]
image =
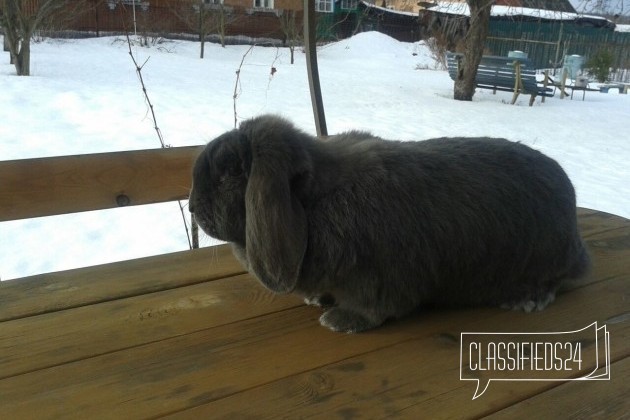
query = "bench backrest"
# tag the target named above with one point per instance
(68, 184)
(497, 71)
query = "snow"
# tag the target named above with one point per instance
(464, 10)
(389, 10)
(84, 97)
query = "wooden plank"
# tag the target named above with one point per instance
(51, 292)
(33, 338)
(189, 370)
(419, 378)
(201, 368)
(608, 239)
(59, 185)
(39, 342)
(579, 400)
(204, 367)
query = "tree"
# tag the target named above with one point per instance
(20, 19)
(599, 65)
(291, 30)
(205, 18)
(473, 48)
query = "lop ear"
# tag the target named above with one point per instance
(276, 226)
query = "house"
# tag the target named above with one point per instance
(545, 35)
(253, 18)
(266, 19)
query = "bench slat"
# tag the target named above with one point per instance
(38, 342)
(62, 290)
(67, 184)
(246, 363)
(415, 388)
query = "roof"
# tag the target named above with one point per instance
(525, 13)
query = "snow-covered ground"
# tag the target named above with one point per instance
(84, 97)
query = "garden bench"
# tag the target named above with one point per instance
(192, 335)
(507, 74)
(621, 87)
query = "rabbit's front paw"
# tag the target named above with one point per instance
(530, 305)
(343, 320)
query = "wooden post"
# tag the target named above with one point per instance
(556, 62)
(517, 80)
(310, 46)
(563, 83)
(545, 84)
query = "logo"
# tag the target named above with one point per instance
(552, 356)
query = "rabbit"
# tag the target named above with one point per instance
(373, 229)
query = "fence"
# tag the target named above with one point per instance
(546, 43)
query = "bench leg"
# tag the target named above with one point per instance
(532, 99)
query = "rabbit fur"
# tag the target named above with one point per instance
(374, 229)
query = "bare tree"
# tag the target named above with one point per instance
(291, 30)
(473, 48)
(205, 18)
(20, 19)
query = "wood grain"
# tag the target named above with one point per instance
(228, 368)
(186, 335)
(579, 400)
(37, 342)
(67, 184)
(419, 378)
(51, 292)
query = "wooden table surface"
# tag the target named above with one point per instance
(190, 335)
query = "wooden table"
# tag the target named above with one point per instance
(190, 335)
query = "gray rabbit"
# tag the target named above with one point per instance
(373, 229)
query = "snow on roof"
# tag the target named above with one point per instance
(385, 9)
(462, 9)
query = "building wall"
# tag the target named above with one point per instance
(178, 16)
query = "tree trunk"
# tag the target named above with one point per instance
(23, 61)
(473, 48)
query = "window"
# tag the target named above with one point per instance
(349, 4)
(212, 2)
(144, 5)
(263, 4)
(325, 6)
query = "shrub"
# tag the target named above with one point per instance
(599, 65)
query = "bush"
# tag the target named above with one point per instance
(599, 65)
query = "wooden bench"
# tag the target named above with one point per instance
(622, 88)
(191, 335)
(507, 74)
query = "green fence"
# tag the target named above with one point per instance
(546, 43)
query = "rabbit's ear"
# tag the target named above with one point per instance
(276, 226)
